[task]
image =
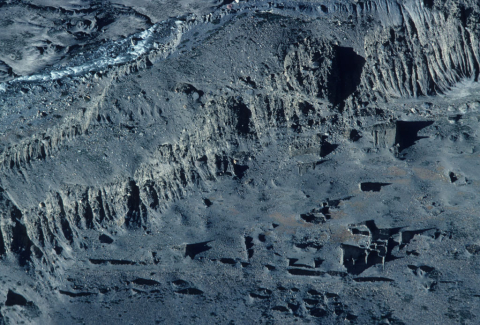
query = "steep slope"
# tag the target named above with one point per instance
(273, 161)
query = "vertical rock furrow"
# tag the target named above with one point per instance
(29, 150)
(443, 51)
(14, 236)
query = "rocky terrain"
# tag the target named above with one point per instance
(215, 162)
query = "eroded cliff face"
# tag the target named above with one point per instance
(274, 161)
(426, 49)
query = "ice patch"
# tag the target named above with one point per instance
(115, 53)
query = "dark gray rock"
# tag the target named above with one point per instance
(223, 162)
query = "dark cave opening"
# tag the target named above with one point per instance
(349, 66)
(407, 133)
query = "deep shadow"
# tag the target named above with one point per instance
(249, 246)
(180, 283)
(349, 68)
(14, 298)
(261, 293)
(193, 249)
(137, 211)
(314, 218)
(428, 3)
(75, 294)
(207, 202)
(306, 108)
(305, 272)
(358, 259)
(145, 282)
(327, 148)
(243, 114)
(105, 239)
(293, 262)
(406, 133)
(187, 89)
(354, 259)
(313, 244)
(21, 243)
(318, 312)
(113, 262)
(230, 261)
(239, 170)
(453, 177)
(372, 279)
(318, 262)
(408, 235)
(190, 291)
(354, 135)
(225, 2)
(382, 234)
(372, 187)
